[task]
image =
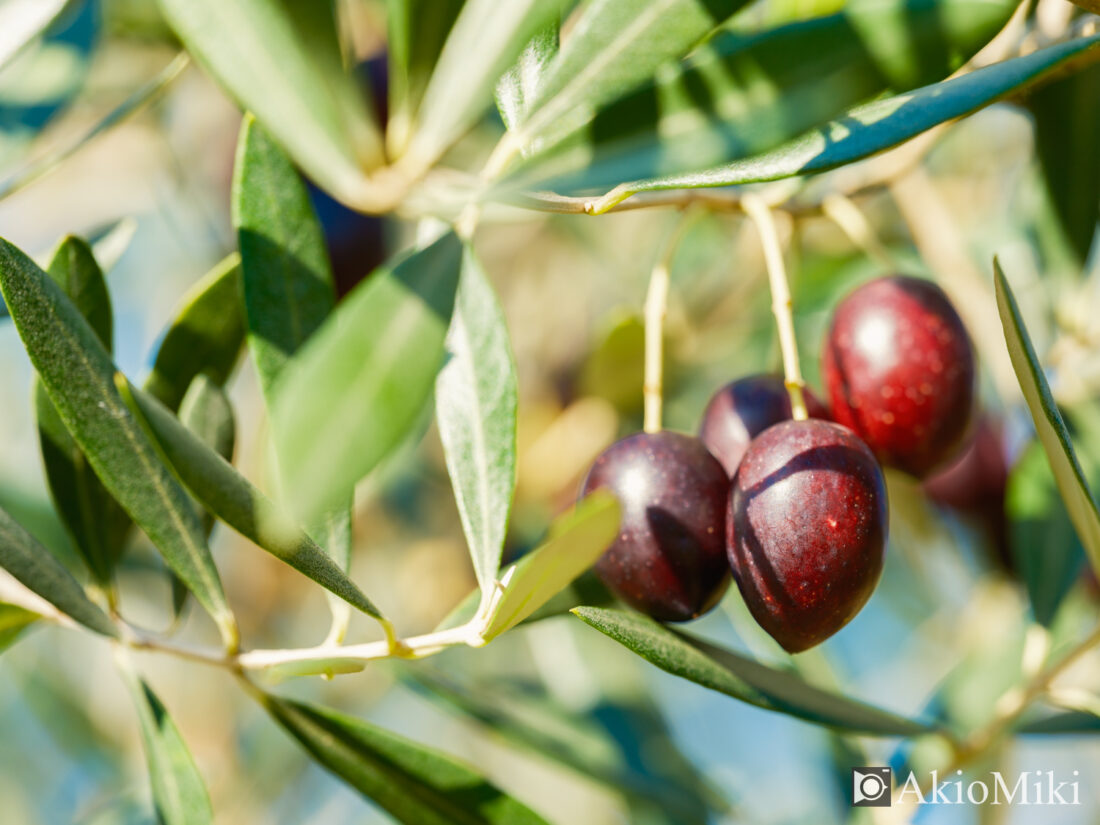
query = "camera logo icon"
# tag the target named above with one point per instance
(871, 787)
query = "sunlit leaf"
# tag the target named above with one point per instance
(232, 498)
(282, 60)
(13, 621)
(416, 785)
(21, 21)
(873, 127)
(205, 335)
(519, 85)
(179, 793)
(36, 568)
(78, 375)
(357, 387)
(94, 520)
(743, 678)
(475, 407)
(1049, 425)
(575, 541)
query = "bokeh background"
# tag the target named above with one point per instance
(943, 633)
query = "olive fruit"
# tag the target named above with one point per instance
(669, 559)
(899, 371)
(743, 409)
(807, 529)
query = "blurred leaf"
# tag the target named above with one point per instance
(613, 46)
(78, 375)
(576, 539)
(579, 741)
(879, 125)
(34, 566)
(285, 269)
(1045, 548)
(205, 336)
(1071, 722)
(744, 678)
(281, 59)
(356, 388)
(21, 21)
(1049, 425)
(615, 366)
(179, 793)
(1067, 133)
(416, 785)
(93, 519)
(13, 621)
(206, 412)
(485, 41)
(741, 95)
(417, 30)
(475, 407)
(232, 498)
(519, 85)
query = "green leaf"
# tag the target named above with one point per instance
(485, 41)
(232, 498)
(1045, 548)
(281, 59)
(417, 30)
(36, 568)
(1049, 425)
(78, 375)
(1071, 722)
(475, 407)
(519, 85)
(13, 621)
(414, 784)
(206, 412)
(95, 522)
(1067, 132)
(23, 21)
(179, 793)
(205, 336)
(285, 269)
(357, 387)
(744, 678)
(575, 541)
(741, 95)
(614, 46)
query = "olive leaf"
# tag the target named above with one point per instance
(78, 375)
(21, 21)
(13, 621)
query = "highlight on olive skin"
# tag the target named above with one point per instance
(900, 371)
(669, 559)
(807, 530)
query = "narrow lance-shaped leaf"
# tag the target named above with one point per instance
(13, 621)
(205, 335)
(475, 406)
(93, 519)
(1049, 425)
(415, 784)
(575, 541)
(282, 60)
(417, 30)
(78, 375)
(744, 678)
(36, 568)
(740, 95)
(21, 21)
(614, 46)
(486, 39)
(873, 127)
(519, 85)
(232, 498)
(179, 793)
(356, 388)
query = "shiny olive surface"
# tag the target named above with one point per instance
(743, 409)
(669, 560)
(899, 370)
(807, 530)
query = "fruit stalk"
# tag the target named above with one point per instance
(761, 216)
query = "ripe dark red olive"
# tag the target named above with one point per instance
(899, 371)
(669, 560)
(807, 530)
(742, 410)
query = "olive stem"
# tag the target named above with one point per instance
(656, 304)
(761, 216)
